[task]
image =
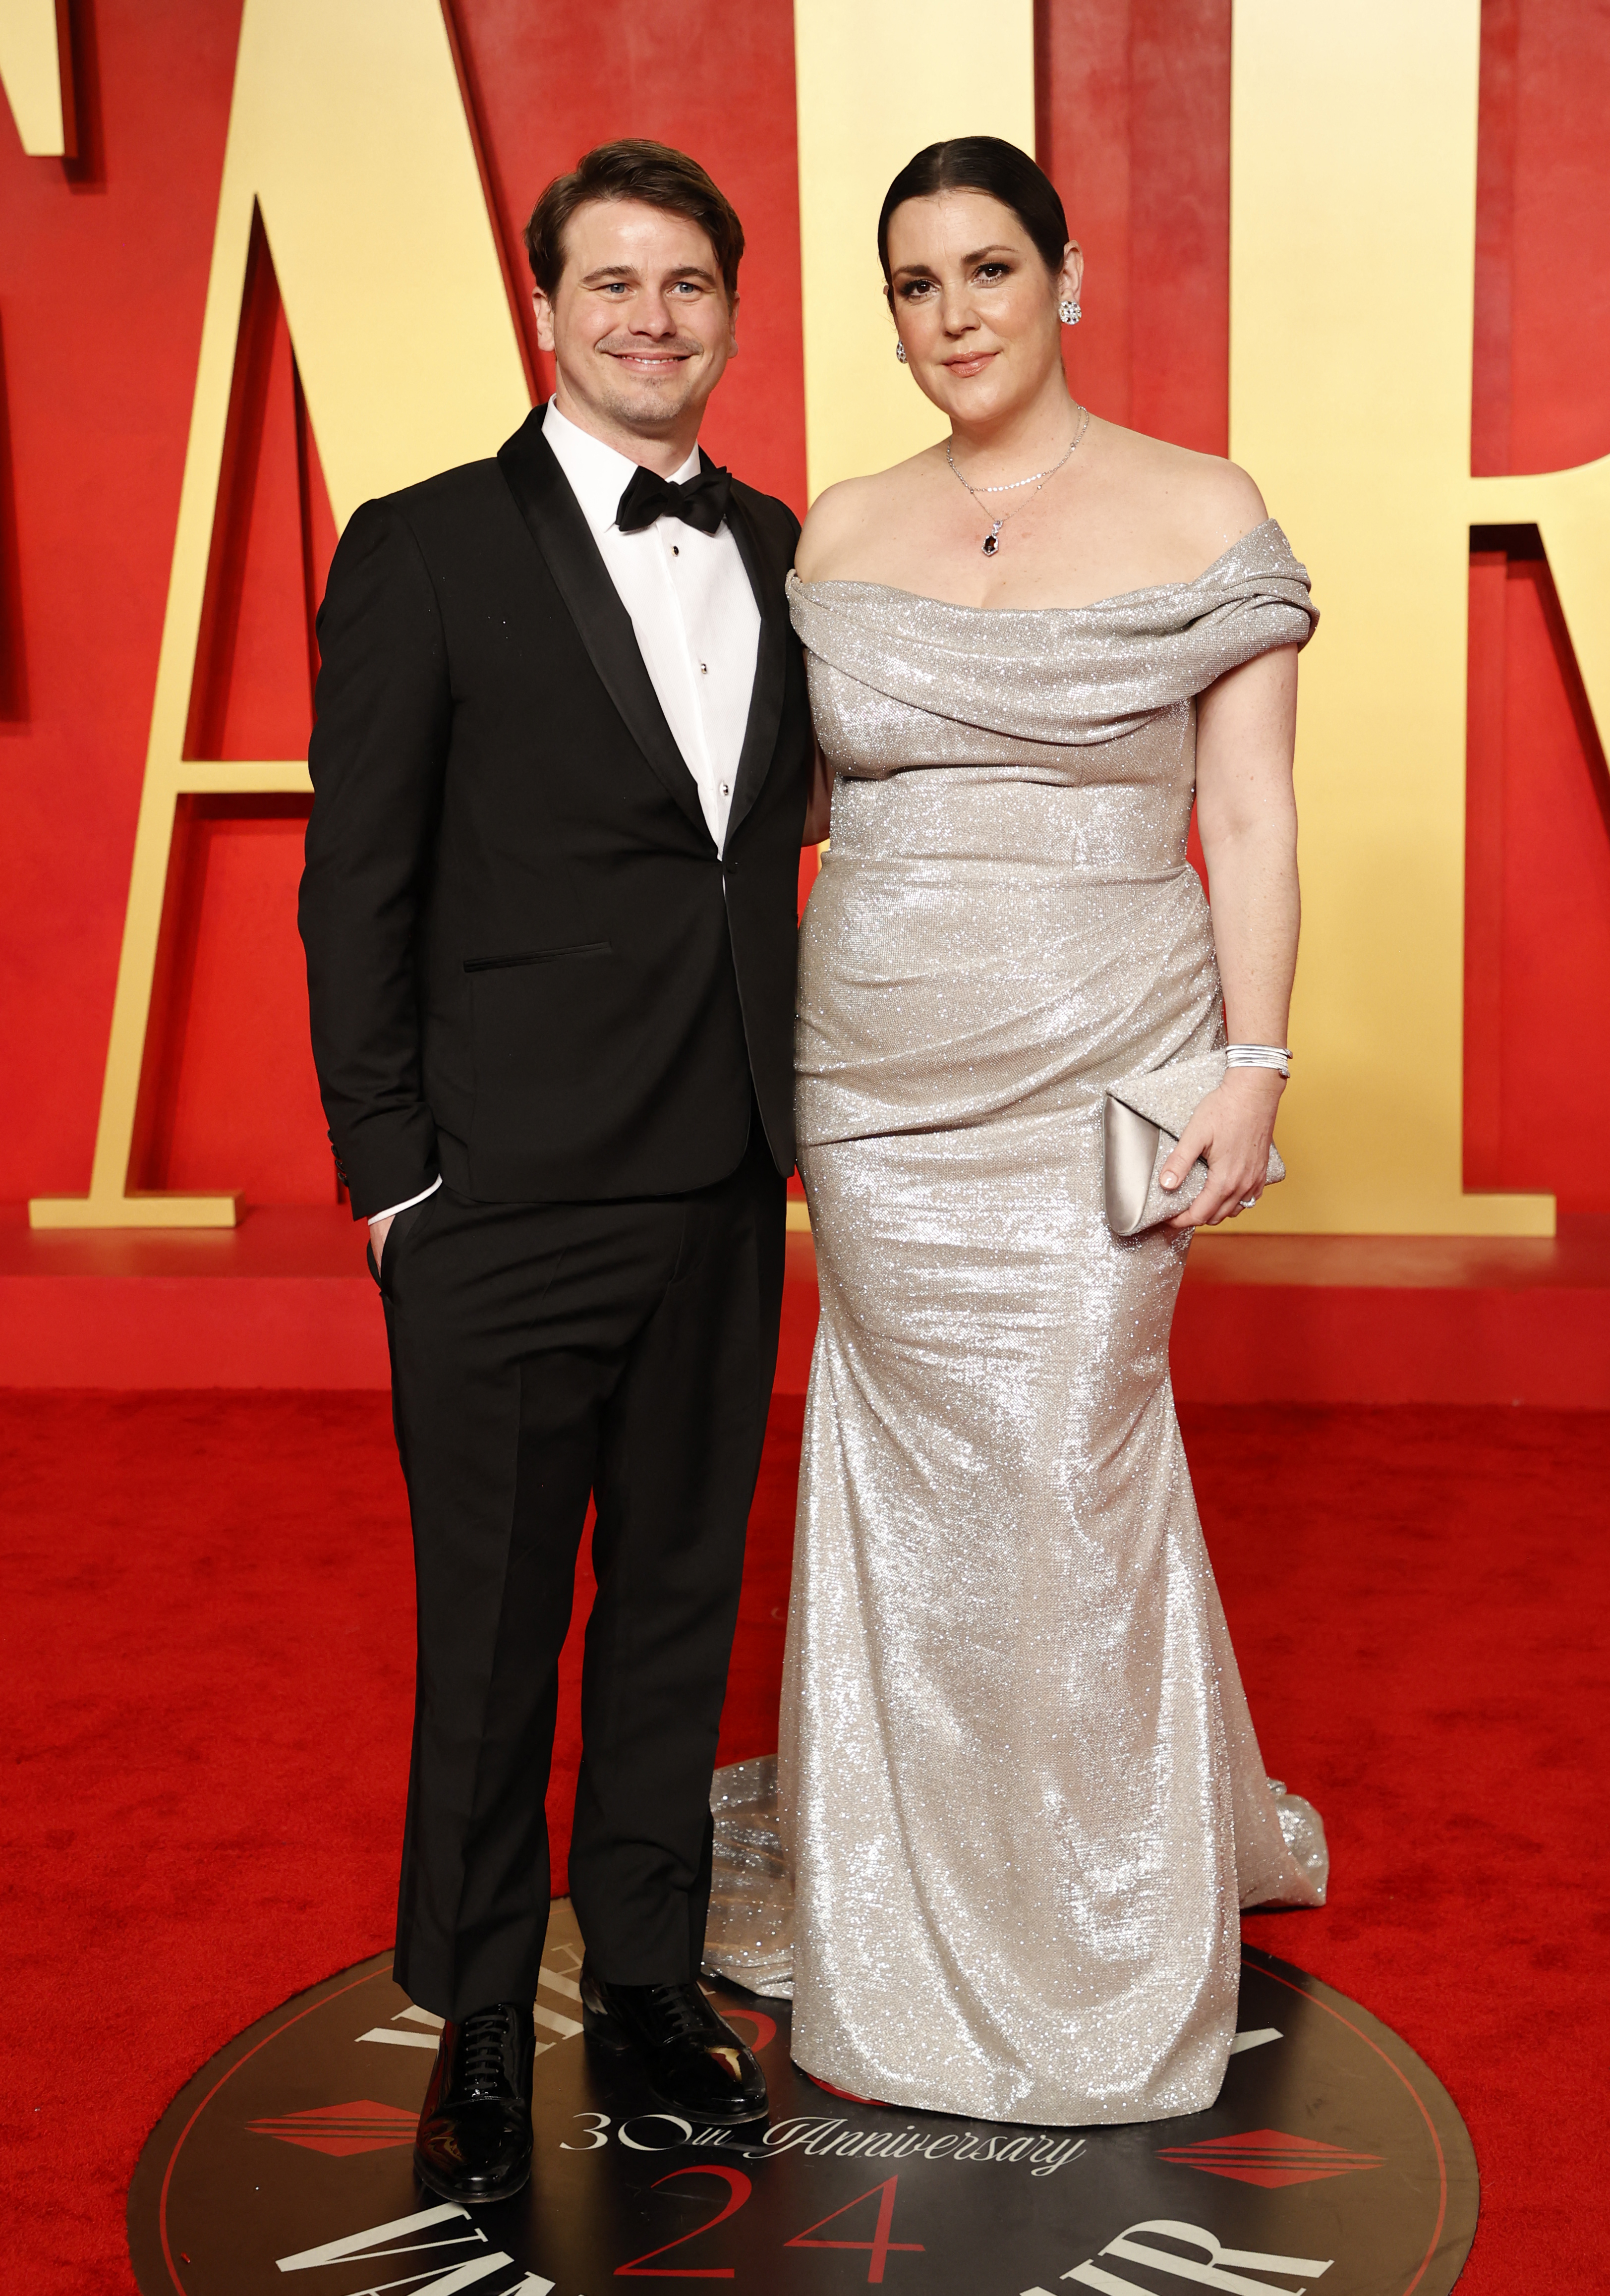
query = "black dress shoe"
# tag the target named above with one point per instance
(693, 2058)
(474, 2140)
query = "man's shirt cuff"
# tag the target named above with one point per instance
(391, 1209)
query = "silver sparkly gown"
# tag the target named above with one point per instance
(1021, 1793)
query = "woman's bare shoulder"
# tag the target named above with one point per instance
(1221, 502)
(1202, 503)
(843, 518)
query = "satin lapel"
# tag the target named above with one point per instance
(550, 510)
(771, 669)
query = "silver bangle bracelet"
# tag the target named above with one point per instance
(1259, 1056)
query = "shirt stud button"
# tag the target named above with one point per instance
(726, 790)
(704, 670)
(675, 552)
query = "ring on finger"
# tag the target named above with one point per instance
(1247, 1203)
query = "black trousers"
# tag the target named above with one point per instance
(542, 1353)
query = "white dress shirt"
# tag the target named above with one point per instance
(697, 625)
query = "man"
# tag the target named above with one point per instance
(560, 772)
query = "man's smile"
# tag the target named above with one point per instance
(648, 362)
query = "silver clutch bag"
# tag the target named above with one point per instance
(1144, 1116)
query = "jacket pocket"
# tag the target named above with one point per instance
(538, 955)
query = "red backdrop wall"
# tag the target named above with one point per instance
(102, 275)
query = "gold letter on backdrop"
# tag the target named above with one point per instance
(1352, 306)
(877, 80)
(347, 130)
(31, 60)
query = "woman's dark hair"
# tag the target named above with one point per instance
(634, 168)
(983, 163)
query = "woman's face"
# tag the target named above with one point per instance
(975, 306)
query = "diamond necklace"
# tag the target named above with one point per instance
(1036, 479)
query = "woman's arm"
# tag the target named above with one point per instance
(1247, 817)
(831, 523)
(818, 804)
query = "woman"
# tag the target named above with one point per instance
(1021, 1791)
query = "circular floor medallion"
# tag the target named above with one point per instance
(1333, 2159)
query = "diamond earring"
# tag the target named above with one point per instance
(1068, 313)
(899, 351)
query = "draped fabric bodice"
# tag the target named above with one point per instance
(1007, 864)
(1088, 697)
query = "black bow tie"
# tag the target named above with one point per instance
(700, 502)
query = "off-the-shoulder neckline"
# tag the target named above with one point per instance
(1118, 598)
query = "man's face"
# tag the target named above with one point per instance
(640, 326)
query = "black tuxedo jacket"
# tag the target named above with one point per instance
(528, 967)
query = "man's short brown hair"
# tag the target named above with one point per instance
(634, 168)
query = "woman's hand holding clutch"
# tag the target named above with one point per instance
(1232, 1128)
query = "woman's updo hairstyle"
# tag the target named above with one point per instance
(983, 163)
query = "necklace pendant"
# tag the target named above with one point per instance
(993, 539)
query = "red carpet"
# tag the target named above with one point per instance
(207, 1666)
